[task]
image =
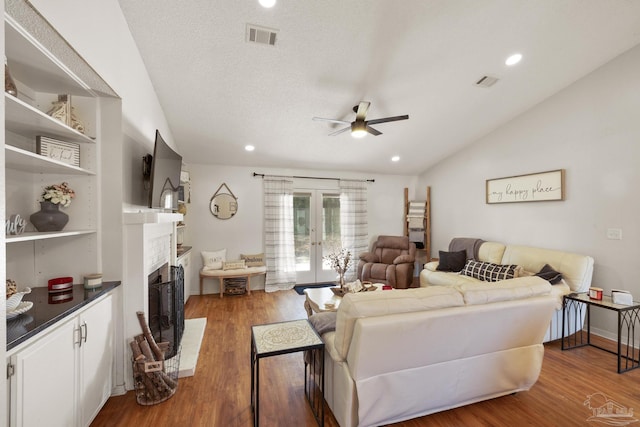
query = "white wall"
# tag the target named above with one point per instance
(592, 130)
(107, 45)
(243, 233)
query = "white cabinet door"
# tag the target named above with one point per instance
(45, 380)
(96, 358)
(189, 288)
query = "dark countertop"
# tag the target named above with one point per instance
(183, 250)
(48, 309)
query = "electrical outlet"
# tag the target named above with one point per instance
(614, 233)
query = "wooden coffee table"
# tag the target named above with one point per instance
(318, 300)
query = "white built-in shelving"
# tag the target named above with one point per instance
(43, 67)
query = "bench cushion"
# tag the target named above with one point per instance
(231, 273)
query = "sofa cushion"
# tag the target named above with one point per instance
(451, 261)
(368, 257)
(488, 271)
(368, 304)
(492, 252)
(549, 274)
(504, 290)
(576, 269)
(444, 278)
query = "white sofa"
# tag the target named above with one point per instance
(576, 269)
(401, 354)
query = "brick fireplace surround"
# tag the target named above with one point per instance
(150, 242)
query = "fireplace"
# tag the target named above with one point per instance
(166, 306)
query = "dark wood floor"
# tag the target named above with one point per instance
(219, 393)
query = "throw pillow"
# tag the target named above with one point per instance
(323, 322)
(233, 265)
(488, 271)
(213, 260)
(256, 260)
(549, 274)
(451, 261)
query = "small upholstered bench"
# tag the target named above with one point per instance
(247, 272)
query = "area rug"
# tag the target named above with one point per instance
(300, 288)
(191, 342)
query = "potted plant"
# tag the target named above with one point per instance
(49, 217)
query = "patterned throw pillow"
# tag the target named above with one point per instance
(256, 260)
(233, 265)
(488, 271)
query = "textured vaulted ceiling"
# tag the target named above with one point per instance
(415, 57)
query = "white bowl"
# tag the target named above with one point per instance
(14, 300)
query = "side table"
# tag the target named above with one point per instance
(318, 300)
(628, 321)
(273, 339)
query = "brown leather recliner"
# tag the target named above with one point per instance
(391, 261)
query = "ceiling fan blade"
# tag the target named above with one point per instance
(338, 132)
(320, 119)
(373, 131)
(387, 119)
(363, 107)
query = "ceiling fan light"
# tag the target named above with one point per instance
(358, 129)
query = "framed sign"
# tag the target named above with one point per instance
(535, 187)
(66, 152)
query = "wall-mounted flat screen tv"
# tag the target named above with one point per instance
(166, 165)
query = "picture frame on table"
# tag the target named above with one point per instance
(62, 151)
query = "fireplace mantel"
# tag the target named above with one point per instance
(150, 217)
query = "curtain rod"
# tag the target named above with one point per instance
(319, 177)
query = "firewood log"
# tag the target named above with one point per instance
(147, 334)
(159, 378)
(137, 353)
(146, 351)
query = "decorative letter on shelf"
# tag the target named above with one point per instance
(535, 187)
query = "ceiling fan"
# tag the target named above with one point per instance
(360, 127)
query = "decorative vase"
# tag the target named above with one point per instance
(9, 84)
(49, 217)
(341, 280)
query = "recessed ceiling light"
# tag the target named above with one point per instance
(267, 3)
(513, 59)
(249, 147)
(395, 158)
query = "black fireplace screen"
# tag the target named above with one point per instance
(166, 306)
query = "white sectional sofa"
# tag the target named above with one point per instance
(401, 354)
(576, 269)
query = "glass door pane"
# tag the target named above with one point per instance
(330, 227)
(302, 231)
(316, 234)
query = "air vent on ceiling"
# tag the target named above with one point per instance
(261, 35)
(487, 81)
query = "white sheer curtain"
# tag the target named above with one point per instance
(354, 228)
(278, 233)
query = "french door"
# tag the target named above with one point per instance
(316, 216)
